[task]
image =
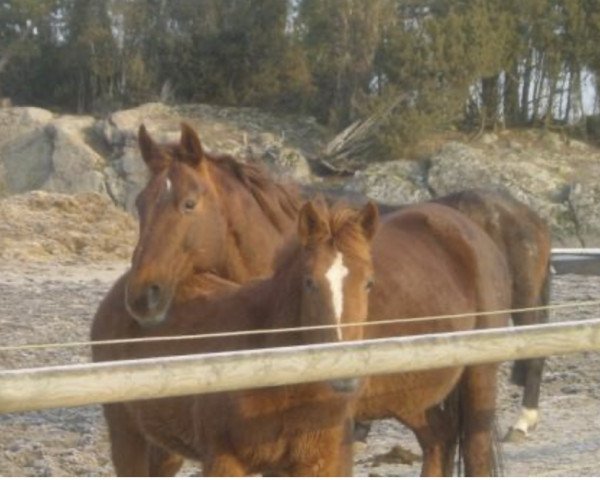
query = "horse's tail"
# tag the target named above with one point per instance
(453, 405)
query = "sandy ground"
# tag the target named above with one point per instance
(51, 302)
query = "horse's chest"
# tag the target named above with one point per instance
(267, 423)
(169, 423)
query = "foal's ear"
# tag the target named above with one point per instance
(150, 151)
(368, 218)
(312, 228)
(190, 143)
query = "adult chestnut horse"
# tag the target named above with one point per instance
(429, 260)
(321, 279)
(524, 239)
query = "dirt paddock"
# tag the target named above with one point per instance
(51, 302)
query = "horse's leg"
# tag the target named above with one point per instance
(478, 408)
(163, 463)
(436, 433)
(223, 464)
(527, 373)
(129, 448)
(529, 415)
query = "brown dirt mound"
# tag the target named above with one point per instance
(42, 226)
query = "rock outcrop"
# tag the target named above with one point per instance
(69, 154)
(558, 179)
(72, 154)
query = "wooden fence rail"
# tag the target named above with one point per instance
(68, 386)
(582, 261)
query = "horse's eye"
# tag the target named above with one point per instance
(310, 284)
(369, 284)
(189, 205)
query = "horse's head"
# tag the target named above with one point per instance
(337, 274)
(179, 224)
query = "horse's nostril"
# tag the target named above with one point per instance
(153, 296)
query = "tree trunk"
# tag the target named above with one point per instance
(538, 88)
(526, 88)
(511, 96)
(490, 100)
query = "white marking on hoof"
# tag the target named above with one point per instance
(527, 421)
(336, 275)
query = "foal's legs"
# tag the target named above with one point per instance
(478, 405)
(327, 453)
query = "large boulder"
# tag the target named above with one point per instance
(527, 175)
(396, 183)
(556, 178)
(282, 143)
(69, 154)
(41, 151)
(25, 149)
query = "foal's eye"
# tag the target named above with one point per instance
(189, 205)
(369, 284)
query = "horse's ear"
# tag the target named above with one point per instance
(150, 151)
(368, 218)
(312, 228)
(190, 143)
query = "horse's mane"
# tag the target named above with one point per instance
(274, 198)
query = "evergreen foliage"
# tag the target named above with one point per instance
(470, 64)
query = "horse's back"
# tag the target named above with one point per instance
(430, 261)
(519, 232)
(433, 260)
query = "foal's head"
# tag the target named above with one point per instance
(336, 273)
(180, 224)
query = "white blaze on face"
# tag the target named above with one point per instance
(168, 185)
(336, 276)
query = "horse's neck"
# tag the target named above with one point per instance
(282, 295)
(257, 227)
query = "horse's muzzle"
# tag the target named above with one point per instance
(148, 305)
(345, 385)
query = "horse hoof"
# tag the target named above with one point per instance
(515, 436)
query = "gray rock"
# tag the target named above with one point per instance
(396, 182)
(40, 150)
(26, 161)
(76, 167)
(584, 200)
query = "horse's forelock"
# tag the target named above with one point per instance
(348, 234)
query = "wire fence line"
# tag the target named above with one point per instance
(226, 334)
